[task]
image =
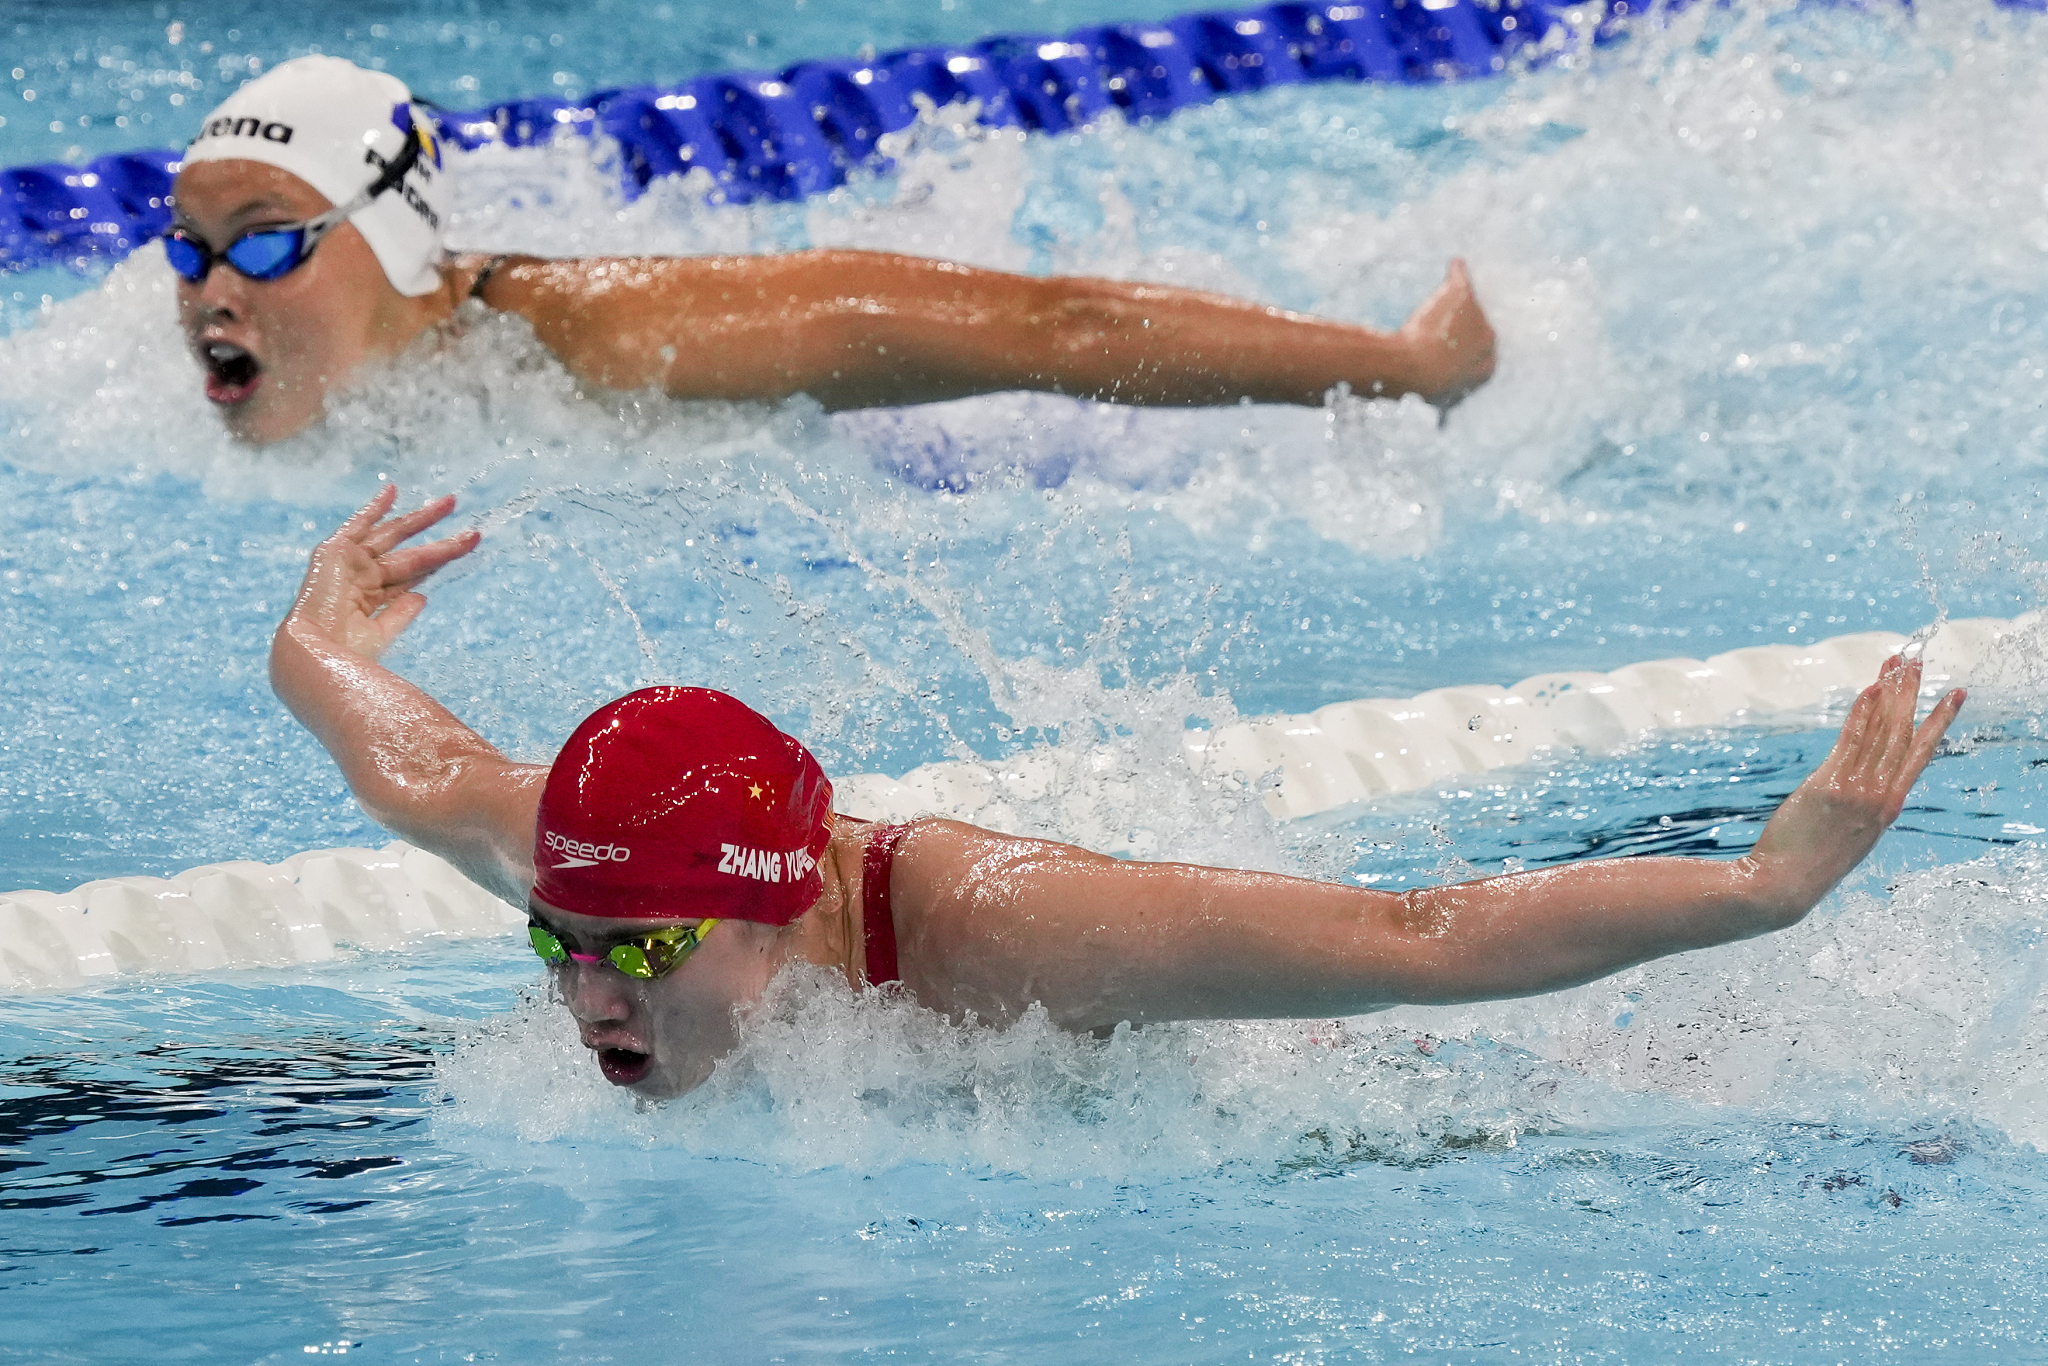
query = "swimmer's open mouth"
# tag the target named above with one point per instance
(622, 1066)
(232, 373)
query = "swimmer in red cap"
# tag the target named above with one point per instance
(309, 242)
(681, 851)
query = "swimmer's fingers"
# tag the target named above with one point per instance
(368, 515)
(1451, 344)
(1888, 725)
(1865, 760)
(1881, 753)
(391, 621)
(1892, 736)
(404, 568)
(385, 536)
(1921, 751)
(1850, 752)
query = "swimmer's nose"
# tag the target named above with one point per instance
(218, 294)
(593, 993)
(208, 311)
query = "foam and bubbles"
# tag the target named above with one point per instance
(1926, 1005)
(825, 1077)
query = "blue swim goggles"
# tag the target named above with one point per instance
(272, 253)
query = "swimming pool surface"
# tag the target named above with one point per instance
(1770, 287)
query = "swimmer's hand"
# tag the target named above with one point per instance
(1832, 821)
(415, 767)
(1450, 341)
(361, 590)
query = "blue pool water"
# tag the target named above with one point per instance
(1770, 289)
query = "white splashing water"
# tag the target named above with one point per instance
(1737, 263)
(828, 1078)
(1928, 1002)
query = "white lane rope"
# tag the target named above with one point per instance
(1355, 751)
(312, 905)
(238, 915)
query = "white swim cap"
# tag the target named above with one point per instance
(336, 126)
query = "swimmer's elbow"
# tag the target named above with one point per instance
(425, 798)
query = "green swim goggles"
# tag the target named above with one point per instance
(654, 954)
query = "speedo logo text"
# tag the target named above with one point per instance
(582, 854)
(765, 865)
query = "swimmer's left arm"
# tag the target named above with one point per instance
(862, 328)
(415, 768)
(995, 922)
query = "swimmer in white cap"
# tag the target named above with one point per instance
(679, 852)
(308, 241)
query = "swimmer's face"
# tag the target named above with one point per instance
(272, 350)
(661, 1036)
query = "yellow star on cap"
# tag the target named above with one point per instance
(755, 789)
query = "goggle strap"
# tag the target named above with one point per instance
(396, 169)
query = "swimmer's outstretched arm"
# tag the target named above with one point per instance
(1099, 941)
(860, 329)
(415, 768)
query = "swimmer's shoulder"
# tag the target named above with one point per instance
(474, 275)
(542, 287)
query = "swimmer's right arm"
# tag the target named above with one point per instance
(415, 768)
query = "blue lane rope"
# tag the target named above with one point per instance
(802, 131)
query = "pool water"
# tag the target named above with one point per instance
(1769, 282)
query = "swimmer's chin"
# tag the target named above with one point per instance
(253, 422)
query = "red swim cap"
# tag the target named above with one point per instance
(682, 802)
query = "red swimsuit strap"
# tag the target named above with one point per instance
(877, 919)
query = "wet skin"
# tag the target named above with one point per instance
(272, 350)
(850, 328)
